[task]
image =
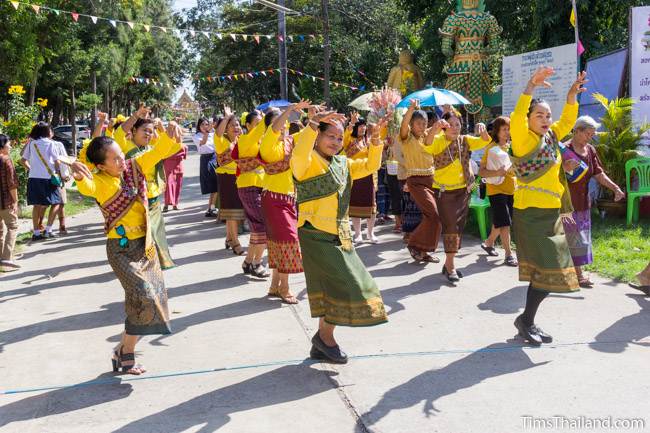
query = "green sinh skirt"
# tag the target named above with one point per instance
(339, 287)
(542, 250)
(158, 233)
(145, 300)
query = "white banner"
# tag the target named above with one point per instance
(518, 69)
(640, 64)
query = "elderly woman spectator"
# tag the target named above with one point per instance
(578, 231)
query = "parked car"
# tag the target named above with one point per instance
(67, 143)
(83, 131)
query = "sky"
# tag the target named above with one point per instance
(184, 4)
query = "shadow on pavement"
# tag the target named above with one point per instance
(492, 361)
(212, 410)
(626, 330)
(65, 400)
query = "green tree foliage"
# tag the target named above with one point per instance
(55, 58)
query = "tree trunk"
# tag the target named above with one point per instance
(73, 118)
(32, 90)
(326, 52)
(93, 113)
(58, 107)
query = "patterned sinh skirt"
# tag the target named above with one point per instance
(453, 207)
(383, 195)
(339, 287)
(426, 235)
(230, 207)
(251, 198)
(578, 237)
(281, 218)
(542, 250)
(362, 199)
(158, 232)
(144, 288)
(411, 215)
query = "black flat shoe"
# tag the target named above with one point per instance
(333, 354)
(316, 354)
(527, 332)
(452, 277)
(546, 338)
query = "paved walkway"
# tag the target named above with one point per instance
(446, 361)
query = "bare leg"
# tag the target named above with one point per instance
(326, 332)
(505, 240)
(449, 262)
(62, 217)
(212, 200)
(356, 223)
(494, 234)
(285, 292)
(275, 283)
(54, 211)
(371, 227)
(37, 215)
(128, 346)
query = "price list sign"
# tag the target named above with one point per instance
(517, 70)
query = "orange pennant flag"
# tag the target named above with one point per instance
(36, 8)
(75, 16)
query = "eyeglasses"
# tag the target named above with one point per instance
(124, 241)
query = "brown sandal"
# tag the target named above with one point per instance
(288, 298)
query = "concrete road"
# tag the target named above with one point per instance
(447, 361)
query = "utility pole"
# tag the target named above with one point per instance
(282, 45)
(327, 49)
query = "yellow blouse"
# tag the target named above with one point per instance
(416, 160)
(222, 144)
(452, 177)
(104, 186)
(272, 150)
(153, 188)
(509, 183)
(249, 146)
(307, 163)
(362, 154)
(523, 141)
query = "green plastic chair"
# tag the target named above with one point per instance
(642, 167)
(480, 207)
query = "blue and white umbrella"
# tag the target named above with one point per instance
(433, 97)
(276, 103)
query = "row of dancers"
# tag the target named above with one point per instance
(295, 190)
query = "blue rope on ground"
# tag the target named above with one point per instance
(113, 381)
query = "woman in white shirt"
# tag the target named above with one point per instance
(46, 176)
(204, 142)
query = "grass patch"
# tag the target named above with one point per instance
(76, 204)
(620, 252)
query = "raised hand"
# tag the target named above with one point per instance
(414, 104)
(541, 75)
(354, 118)
(142, 112)
(302, 105)
(577, 87)
(329, 117)
(80, 170)
(101, 117)
(481, 130)
(227, 111)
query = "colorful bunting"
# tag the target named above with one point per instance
(246, 37)
(270, 72)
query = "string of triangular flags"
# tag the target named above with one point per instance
(270, 72)
(245, 37)
(151, 81)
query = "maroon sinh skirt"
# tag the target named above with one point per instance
(230, 207)
(281, 218)
(251, 198)
(363, 198)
